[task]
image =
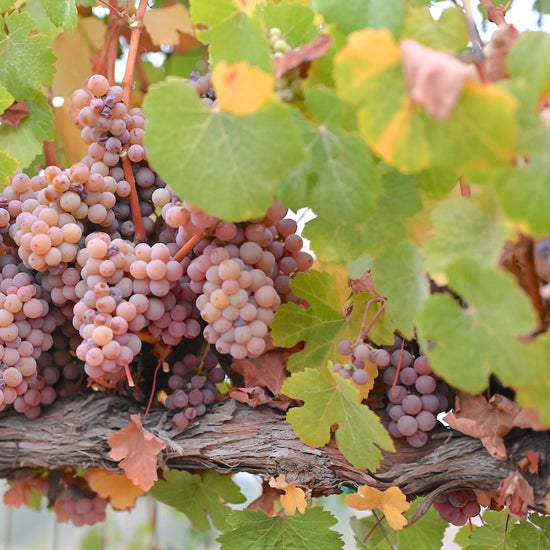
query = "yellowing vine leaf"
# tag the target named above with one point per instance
(137, 450)
(293, 496)
(164, 24)
(117, 488)
(240, 88)
(330, 401)
(392, 502)
(479, 132)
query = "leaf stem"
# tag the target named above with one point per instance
(465, 189)
(495, 14)
(363, 333)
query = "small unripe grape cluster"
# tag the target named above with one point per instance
(289, 86)
(192, 387)
(354, 368)
(457, 507)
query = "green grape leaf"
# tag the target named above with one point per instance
(24, 142)
(465, 345)
(399, 275)
(464, 228)
(258, 531)
(338, 181)
(532, 535)
(425, 534)
(448, 33)
(232, 33)
(525, 195)
(295, 21)
(26, 59)
(526, 59)
(334, 400)
(399, 200)
(360, 13)
(62, 13)
(6, 99)
(479, 133)
(319, 326)
(8, 166)
(226, 164)
(532, 385)
(493, 535)
(330, 108)
(198, 496)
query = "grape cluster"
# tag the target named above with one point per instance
(354, 368)
(192, 386)
(414, 393)
(79, 508)
(457, 507)
(241, 282)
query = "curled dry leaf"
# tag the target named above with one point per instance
(137, 450)
(489, 421)
(530, 463)
(13, 115)
(302, 56)
(517, 495)
(435, 79)
(392, 502)
(293, 496)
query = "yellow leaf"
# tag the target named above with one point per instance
(164, 24)
(376, 49)
(73, 51)
(293, 497)
(240, 88)
(117, 488)
(392, 502)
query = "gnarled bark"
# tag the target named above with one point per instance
(233, 437)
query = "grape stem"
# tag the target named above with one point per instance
(131, 382)
(363, 333)
(193, 241)
(153, 388)
(399, 363)
(134, 200)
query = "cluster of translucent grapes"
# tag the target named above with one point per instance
(108, 127)
(414, 393)
(289, 86)
(457, 507)
(25, 333)
(354, 368)
(192, 387)
(242, 281)
(79, 508)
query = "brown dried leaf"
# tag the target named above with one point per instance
(530, 463)
(268, 371)
(517, 495)
(137, 450)
(13, 115)
(302, 56)
(435, 79)
(266, 501)
(488, 421)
